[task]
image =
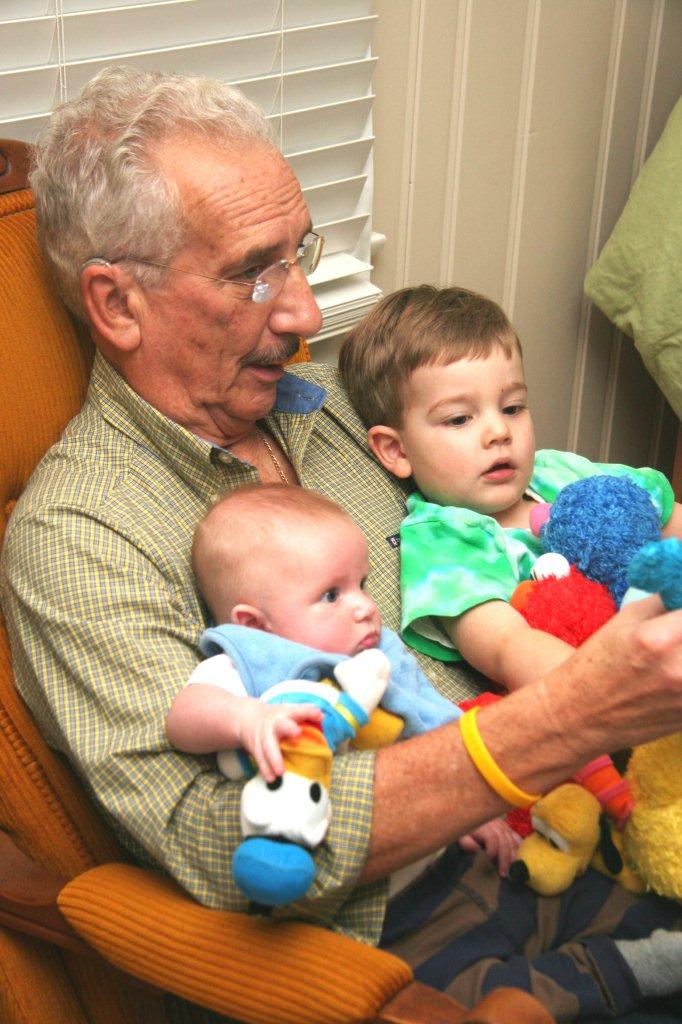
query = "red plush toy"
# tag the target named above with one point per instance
(572, 608)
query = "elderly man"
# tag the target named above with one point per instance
(180, 234)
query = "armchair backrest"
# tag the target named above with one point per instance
(44, 365)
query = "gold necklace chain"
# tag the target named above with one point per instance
(275, 461)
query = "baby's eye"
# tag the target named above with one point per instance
(459, 421)
(513, 410)
(331, 595)
(363, 583)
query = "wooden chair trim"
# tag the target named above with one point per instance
(419, 1004)
(15, 161)
(28, 900)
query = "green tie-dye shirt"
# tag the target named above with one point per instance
(453, 559)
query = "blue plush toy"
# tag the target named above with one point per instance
(599, 524)
(657, 569)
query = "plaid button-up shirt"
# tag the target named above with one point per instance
(104, 618)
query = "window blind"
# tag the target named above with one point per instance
(307, 63)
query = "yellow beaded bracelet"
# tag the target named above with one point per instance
(488, 768)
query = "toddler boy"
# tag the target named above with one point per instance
(437, 377)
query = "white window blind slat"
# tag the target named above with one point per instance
(25, 129)
(335, 82)
(338, 267)
(296, 12)
(350, 120)
(345, 235)
(114, 33)
(131, 29)
(25, 44)
(322, 44)
(315, 166)
(312, 12)
(27, 91)
(307, 63)
(335, 199)
(10, 9)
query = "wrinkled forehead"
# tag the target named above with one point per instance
(240, 185)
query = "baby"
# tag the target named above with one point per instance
(437, 376)
(283, 572)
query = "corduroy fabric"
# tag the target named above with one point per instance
(250, 968)
(43, 373)
(44, 358)
(34, 987)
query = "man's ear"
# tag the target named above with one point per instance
(112, 300)
(249, 615)
(386, 444)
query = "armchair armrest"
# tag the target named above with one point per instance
(255, 970)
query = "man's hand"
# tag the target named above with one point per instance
(261, 728)
(497, 839)
(628, 678)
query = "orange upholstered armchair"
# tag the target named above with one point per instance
(85, 936)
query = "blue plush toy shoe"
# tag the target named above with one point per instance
(272, 872)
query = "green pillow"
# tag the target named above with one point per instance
(637, 280)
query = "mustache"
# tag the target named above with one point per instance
(287, 348)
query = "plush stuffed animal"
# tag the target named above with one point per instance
(598, 524)
(571, 834)
(283, 820)
(601, 507)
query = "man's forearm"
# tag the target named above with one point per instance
(434, 777)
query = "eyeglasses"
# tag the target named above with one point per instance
(265, 287)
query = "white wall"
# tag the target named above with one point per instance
(508, 135)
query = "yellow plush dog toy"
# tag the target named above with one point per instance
(566, 824)
(571, 834)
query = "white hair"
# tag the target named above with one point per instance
(98, 190)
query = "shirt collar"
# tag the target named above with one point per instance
(297, 395)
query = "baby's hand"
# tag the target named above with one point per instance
(499, 841)
(262, 726)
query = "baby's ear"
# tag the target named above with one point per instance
(248, 615)
(388, 448)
